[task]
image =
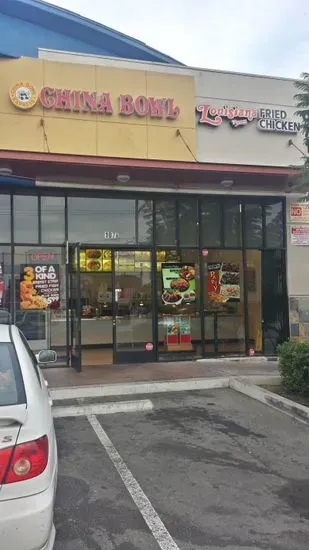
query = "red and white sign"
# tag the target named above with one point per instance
(205, 252)
(299, 212)
(300, 235)
(149, 346)
(214, 116)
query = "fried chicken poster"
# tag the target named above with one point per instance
(39, 286)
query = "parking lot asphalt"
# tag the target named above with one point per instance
(202, 470)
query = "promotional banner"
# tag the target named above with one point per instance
(179, 283)
(223, 282)
(39, 286)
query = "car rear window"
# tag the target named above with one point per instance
(12, 390)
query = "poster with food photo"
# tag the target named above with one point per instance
(179, 283)
(223, 282)
(39, 286)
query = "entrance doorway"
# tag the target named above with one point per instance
(110, 313)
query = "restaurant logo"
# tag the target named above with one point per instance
(268, 120)
(23, 95)
(236, 116)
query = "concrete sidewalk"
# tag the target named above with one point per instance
(113, 374)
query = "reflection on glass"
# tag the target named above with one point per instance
(211, 223)
(224, 301)
(133, 300)
(188, 222)
(5, 278)
(232, 223)
(5, 218)
(178, 284)
(25, 219)
(253, 226)
(274, 225)
(166, 222)
(254, 285)
(52, 219)
(98, 220)
(144, 213)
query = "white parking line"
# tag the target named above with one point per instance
(155, 524)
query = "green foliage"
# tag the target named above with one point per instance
(294, 366)
(302, 103)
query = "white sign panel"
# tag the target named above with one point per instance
(300, 235)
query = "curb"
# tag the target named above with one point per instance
(139, 388)
(294, 410)
(103, 408)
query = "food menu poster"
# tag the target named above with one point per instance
(223, 282)
(39, 286)
(179, 283)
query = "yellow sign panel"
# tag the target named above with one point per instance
(101, 111)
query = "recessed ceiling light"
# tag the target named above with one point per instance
(6, 171)
(123, 178)
(227, 184)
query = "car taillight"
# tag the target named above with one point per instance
(24, 461)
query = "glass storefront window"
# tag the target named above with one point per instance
(5, 278)
(39, 300)
(5, 218)
(53, 219)
(101, 221)
(26, 219)
(188, 222)
(224, 302)
(274, 225)
(211, 223)
(144, 215)
(232, 223)
(178, 286)
(253, 226)
(166, 223)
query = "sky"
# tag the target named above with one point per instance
(256, 36)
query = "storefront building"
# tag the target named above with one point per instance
(145, 216)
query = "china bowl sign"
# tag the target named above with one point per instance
(267, 120)
(24, 96)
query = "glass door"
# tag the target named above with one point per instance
(133, 311)
(74, 307)
(274, 306)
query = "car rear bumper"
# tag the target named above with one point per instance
(27, 523)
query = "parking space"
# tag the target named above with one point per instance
(202, 470)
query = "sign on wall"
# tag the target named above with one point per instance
(299, 212)
(39, 286)
(267, 120)
(300, 235)
(24, 96)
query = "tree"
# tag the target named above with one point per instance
(302, 103)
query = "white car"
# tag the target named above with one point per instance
(28, 448)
